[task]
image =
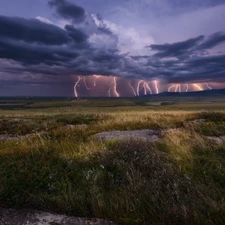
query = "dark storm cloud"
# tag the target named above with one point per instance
(35, 47)
(34, 54)
(39, 46)
(188, 61)
(105, 56)
(105, 30)
(102, 26)
(71, 54)
(31, 31)
(68, 10)
(213, 40)
(35, 42)
(176, 49)
(76, 34)
(199, 68)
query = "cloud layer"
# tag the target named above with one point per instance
(68, 10)
(88, 45)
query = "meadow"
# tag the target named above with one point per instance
(50, 160)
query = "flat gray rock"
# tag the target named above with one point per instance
(218, 140)
(198, 121)
(148, 135)
(4, 137)
(8, 137)
(32, 217)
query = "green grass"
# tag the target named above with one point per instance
(64, 169)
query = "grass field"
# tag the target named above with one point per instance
(52, 161)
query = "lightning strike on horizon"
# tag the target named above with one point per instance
(85, 84)
(95, 78)
(197, 86)
(75, 86)
(148, 87)
(187, 87)
(144, 87)
(132, 88)
(178, 88)
(156, 87)
(109, 91)
(207, 85)
(115, 87)
(170, 88)
(138, 87)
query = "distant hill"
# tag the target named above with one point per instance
(206, 93)
(167, 98)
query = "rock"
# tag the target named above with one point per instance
(78, 126)
(70, 126)
(32, 217)
(148, 135)
(8, 137)
(4, 137)
(197, 121)
(218, 140)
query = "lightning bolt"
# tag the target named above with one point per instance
(170, 88)
(115, 87)
(75, 86)
(207, 85)
(95, 78)
(144, 87)
(197, 86)
(132, 88)
(178, 88)
(187, 87)
(85, 84)
(156, 86)
(148, 88)
(109, 91)
(138, 87)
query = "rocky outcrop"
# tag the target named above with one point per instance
(148, 135)
(28, 217)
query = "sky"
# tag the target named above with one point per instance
(111, 48)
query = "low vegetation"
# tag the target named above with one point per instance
(61, 167)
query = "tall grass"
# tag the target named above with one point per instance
(178, 180)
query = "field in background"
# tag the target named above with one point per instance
(50, 160)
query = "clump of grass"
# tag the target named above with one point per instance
(212, 116)
(207, 123)
(141, 120)
(26, 125)
(210, 128)
(78, 119)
